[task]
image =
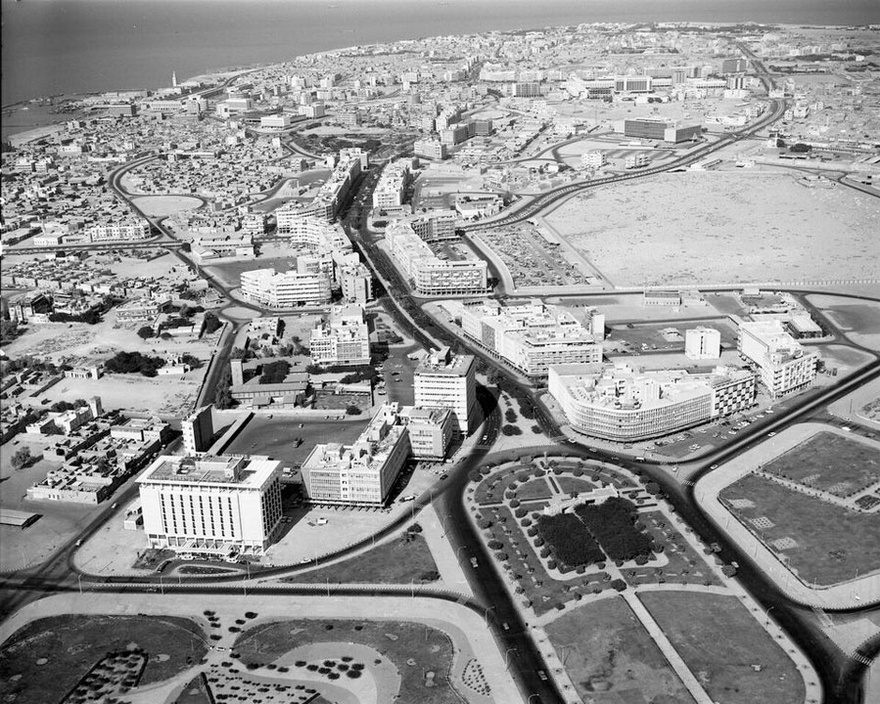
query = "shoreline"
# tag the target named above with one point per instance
(325, 52)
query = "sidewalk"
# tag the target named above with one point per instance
(671, 654)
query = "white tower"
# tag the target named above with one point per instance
(174, 79)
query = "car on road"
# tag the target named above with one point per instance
(771, 434)
(542, 675)
(474, 562)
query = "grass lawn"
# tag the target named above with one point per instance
(610, 657)
(71, 645)
(534, 490)
(833, 543)
(421, 654)
(396, 562)
(726, 666)
(685, 565)
(195, 692)
(830, 462)
(569, 485)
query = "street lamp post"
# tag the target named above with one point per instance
(507, 657)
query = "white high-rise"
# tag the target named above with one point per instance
(219, 505)
(445, 380)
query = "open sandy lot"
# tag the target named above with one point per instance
(163, 206)
(720, 227)
(172, 395)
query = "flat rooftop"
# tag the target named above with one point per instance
(228, 470)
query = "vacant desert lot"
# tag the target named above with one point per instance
(723, 227)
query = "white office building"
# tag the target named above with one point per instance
(361, 474)
(532, 336)
(285, 290)
(428, 274)
(702, 343)
(217, 506)
(617, 402)
(344, 339)
(446, 380)
(785, 365)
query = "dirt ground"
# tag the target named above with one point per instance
(722, 227)
(161, 206)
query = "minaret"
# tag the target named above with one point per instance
(174, 79)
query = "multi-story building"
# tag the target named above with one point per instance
(446, 380)
(355, 279)
(616, 402)
(532, 336)
(785, 366)
(220, 505)
(593, 159)
(430, 149)
(333, 193)
(434, 225)
(320, 235)
(285, 290)
(198, 430)
(430, 431)
(525, 90)
(342, 340)
(660, 129)
(702, 343)
(634, 84)
(127, 230)
(391, 187)
(361, 474)
(734, 65)
(430, 275)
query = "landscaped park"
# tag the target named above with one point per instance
(69, 658)
(410, 659)
(559, 558)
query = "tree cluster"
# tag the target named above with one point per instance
(133, 362)
(212, 323)
(569, 539)
(274, 372)
(614, 525)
